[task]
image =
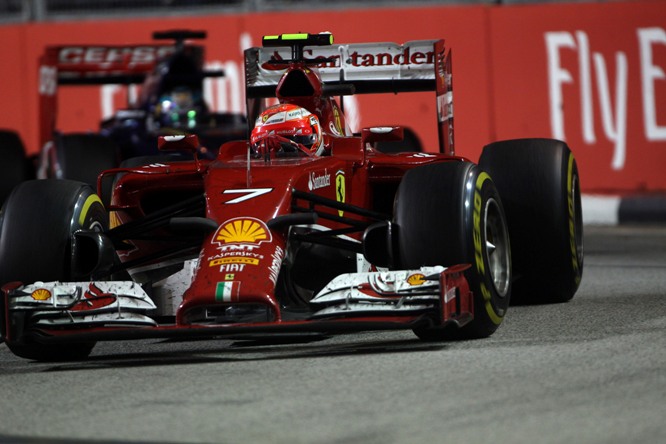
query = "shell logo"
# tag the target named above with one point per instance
(41, 294)
(416, 279)
(243, 230)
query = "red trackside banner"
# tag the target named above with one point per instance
(591, 74)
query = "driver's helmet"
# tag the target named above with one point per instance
(288, 127)
(179, 108)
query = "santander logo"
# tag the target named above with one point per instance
(404, 57)
(407, 57)
(315, 182)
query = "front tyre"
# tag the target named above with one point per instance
(540, 188)
(36, 227)
(451, 213)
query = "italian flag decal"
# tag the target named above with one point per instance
(227, 291)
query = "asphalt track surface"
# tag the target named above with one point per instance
(589, 371)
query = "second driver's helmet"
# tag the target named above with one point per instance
(181, 107)
(290, 127)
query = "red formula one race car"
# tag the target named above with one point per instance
(303, 228)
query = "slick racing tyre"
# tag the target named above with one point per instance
(409, 144)
(14, 164)
(450, 213)
(83, 156)
(36, 227)
(540, 188)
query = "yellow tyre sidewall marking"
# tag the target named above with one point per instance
(90, 201)
(478, 250)
(572, 219)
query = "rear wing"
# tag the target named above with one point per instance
(99, 65)
(359, 68)
(90, 65)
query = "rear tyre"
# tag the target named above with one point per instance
(540, 188)
(410, 143)
(450, 213)
(14, 164)
(82, 157)
(36, 227)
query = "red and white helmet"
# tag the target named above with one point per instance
(291, 124)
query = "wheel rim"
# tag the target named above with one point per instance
(497, 247)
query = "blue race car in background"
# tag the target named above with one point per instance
(170, 102)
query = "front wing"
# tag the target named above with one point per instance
(47, 312)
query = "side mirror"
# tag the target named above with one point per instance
(348, 148)
(231, 149)
(382, 134)
(181, 142)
